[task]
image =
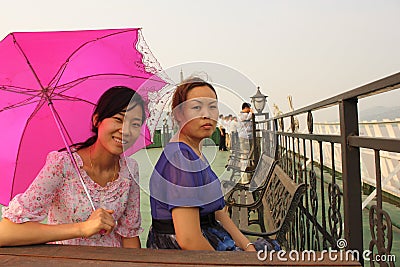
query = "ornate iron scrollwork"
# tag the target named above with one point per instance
(334, 215)
(300, 172)
(292, 124)
(302, 230)
(310, 123)
(379, 221)
(314, 208)
(281, 124)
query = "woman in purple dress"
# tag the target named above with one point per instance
(187, 204)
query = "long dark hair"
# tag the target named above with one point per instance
(111, 102)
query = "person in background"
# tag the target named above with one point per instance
(228, 121)
(185, 194)
(245, 130)
(111, 179)
(222, 133)
(234, 133)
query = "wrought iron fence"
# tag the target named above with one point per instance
(331, 210)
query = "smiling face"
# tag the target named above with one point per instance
(198, 115)
(120, 131)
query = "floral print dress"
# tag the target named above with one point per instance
(57, 193)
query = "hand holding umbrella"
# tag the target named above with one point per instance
(57, 94)
(49, 84)
(100, 221)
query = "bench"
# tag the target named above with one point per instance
(275, 203)
(240, 163)
(248, 192)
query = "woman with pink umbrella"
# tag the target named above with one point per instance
(107, 182)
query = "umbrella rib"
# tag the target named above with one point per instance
(64, 129)
(38, 107)
(71, 98)
(27, 61)
(23, 91)
(20, 104)
(30, 91)
(82, 79)
(19, 146)
(74, 83)
(59, 73)
(20, 90)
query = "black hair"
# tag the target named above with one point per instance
(111, 102)
(246, 105)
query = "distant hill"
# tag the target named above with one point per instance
(379, 113)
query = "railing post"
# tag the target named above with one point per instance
(351, 171)
(256, 148)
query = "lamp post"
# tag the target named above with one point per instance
(259, 100)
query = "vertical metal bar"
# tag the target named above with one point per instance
(299, 214)
(378, 179)
(298, 169)
(333, 163)
(313, 202)
(255, 141)
(382, 222)
(335, 211)
(282, 145)
(379, 222)
(323, 200)
(286, 155)
(293, 158)
(308, 247)
(353, 229)
(277, 141)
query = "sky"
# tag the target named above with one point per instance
(309, 49)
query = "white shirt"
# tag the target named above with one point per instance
(245, 125)
(220, 123)
(234, 126)
(228, 126)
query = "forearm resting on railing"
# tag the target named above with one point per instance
(29, 233)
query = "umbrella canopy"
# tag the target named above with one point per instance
(50, 83)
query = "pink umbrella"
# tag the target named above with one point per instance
(50, 82)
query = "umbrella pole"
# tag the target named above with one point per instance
(60, 129)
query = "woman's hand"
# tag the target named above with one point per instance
(231, 228)
(100, 219)
(250, 247)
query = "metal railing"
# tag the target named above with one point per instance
(331, 210)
